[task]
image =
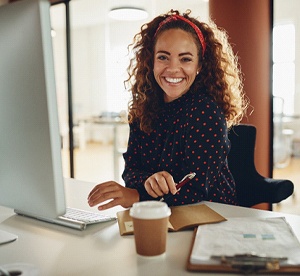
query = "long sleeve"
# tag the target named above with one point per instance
(190, 136)
(135, 173)
(206, 150)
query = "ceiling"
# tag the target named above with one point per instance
(91, 12)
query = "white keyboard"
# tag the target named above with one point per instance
(73, 218)
(86, 217)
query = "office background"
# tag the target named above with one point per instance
(99, 59)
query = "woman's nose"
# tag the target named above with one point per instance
(174, 66)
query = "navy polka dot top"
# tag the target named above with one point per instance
(190, 136)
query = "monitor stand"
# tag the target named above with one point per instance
(6, 237)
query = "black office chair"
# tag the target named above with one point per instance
(252, 188)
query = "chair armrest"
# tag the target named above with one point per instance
(262, 189)
(279, 189)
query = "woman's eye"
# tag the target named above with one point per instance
(186, 59)
(162, 57)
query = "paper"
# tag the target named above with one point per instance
(270, 237)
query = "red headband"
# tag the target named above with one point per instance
(175, 17)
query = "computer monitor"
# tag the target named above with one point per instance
(31, 178)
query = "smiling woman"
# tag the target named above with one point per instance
(176, 63)
(183, 101)
(98, 61)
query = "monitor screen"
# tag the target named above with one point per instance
(31, 177)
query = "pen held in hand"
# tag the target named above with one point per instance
(181, 183)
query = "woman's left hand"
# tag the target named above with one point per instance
(159, 184)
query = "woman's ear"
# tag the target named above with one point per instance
(199, 69)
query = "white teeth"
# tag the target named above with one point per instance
(174, 80)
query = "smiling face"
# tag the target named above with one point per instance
(176, 62)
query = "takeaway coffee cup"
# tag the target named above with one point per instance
(150, 224)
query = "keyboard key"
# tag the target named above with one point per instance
(86, 216)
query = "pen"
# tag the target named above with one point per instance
(181, 183)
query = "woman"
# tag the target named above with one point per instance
(186, 92)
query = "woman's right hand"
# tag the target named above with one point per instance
(114, 193)
(159, 184)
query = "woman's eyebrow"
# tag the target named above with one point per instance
(167, 53)
(163, 52)
(186, 53)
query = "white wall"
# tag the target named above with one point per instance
(91, 65)
(288, 11)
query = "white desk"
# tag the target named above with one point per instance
(100, 250)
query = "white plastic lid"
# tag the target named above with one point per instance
(150, 210)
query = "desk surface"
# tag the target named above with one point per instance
(100, 250)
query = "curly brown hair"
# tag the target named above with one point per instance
(220, 74)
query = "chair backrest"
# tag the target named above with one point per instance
(251, 187)
(241, 160)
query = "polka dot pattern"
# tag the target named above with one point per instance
(190, 136)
